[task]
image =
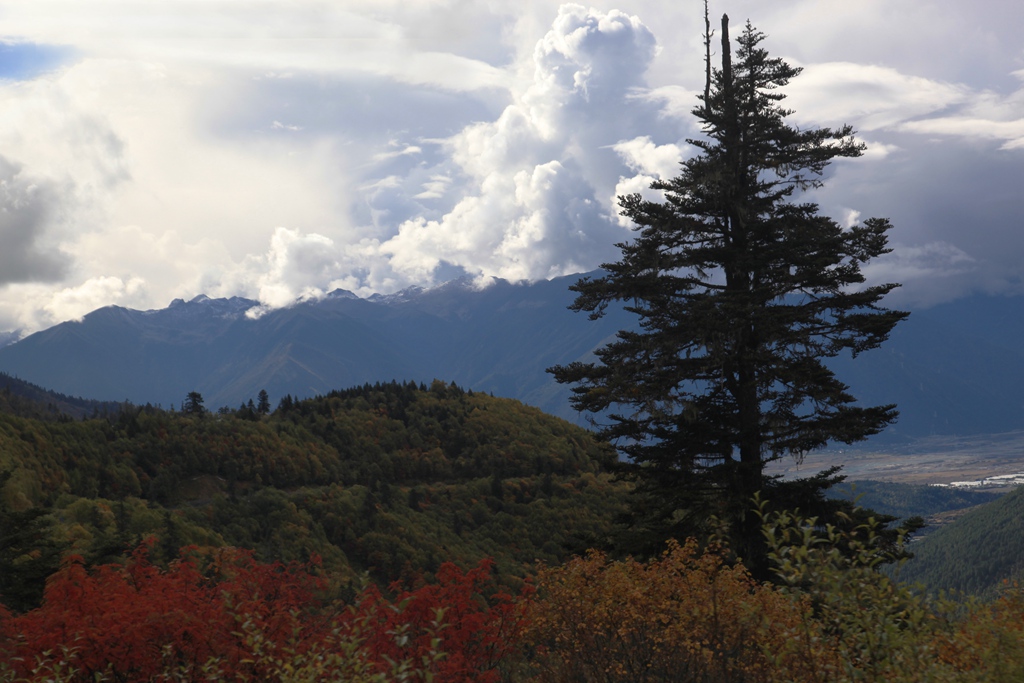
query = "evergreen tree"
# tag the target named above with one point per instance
(263, 405)
(193, 404)
(741, 291)
(29, 552)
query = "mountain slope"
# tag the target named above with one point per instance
(974, 554)
(947, 377)
(499, 340)
(21, 398)
(956, 368)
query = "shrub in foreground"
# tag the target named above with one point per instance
(228, 617)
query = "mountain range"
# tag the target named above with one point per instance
(956, 368)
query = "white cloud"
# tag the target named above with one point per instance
(271, 37)
(650, 162)
(72, 303)
(296, 265)
(299, 266)
(878, 150)
(31, 306)
(30, 209)
(875, 98)
(539, 198)
(851, 217)
(674, 101)
(1012, 132)
(644, 156)
(284, 148)
(912, 262)
(868, 96)
(406, 150)
(435, 188)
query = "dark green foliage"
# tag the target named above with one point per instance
(391, 478)
(976, 553)
(263, 407)
(741, 292)
(29, 551)
(193, 404)
(18, 397)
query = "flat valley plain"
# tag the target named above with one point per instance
(934, 460)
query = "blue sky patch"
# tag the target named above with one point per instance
(23, 61)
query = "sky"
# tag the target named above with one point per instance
(280, 149)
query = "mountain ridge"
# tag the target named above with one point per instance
(946, 377)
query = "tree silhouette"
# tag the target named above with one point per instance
(263, 402)
(193, 404)
(741, 291)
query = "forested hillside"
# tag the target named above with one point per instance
(977, 554)
(910, 500)
(393, 479)
(18, 397)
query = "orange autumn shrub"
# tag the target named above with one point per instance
(684, 617)
(884, 630)
(987, 641)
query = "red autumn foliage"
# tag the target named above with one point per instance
(136, 622)
(475, 636)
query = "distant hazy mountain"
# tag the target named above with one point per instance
(499, 339)
(953, 369)
(956, 368)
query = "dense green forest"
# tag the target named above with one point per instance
(977, 554)
(392, 479)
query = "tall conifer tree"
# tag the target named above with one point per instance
(741, 291)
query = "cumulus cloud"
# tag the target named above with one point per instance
(296, 265)
(851, 217)
(31, 306)
(539, 182)
(644, 156)
(29, 207)
(878, 150)
(72, 303)
(300, 266)
(649, 162)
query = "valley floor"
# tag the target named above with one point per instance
(981, 462)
